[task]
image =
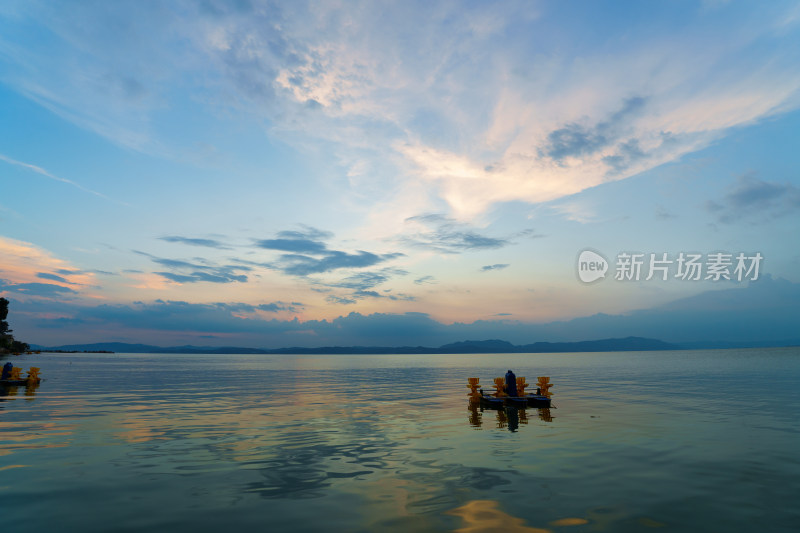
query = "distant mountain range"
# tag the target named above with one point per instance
(485, 346)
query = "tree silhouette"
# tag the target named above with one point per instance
(7, 341)
(3, 314)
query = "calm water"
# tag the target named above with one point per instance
(667, 441)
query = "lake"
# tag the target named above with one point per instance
(636, 441)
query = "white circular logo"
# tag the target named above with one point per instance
(591, 266)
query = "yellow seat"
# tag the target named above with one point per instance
(33, 374)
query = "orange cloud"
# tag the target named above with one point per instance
(22, 262)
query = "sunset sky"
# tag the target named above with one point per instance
(272, 174)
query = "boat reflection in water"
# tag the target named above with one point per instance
(9, 391)
(507, 417)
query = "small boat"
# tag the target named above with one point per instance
(12, 376)
(499, 399)
(17, 382)
(529, 400)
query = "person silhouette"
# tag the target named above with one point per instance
(511, 384)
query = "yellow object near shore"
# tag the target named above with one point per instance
(521, 385)
(33, 375)
(500, 387)
(544, 385)
(15, 376)
(473, 394)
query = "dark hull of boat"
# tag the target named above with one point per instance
(17, 382)
(531, 400)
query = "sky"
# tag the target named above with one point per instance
(274, 174)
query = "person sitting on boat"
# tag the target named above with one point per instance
(7, 370)
(511, 384)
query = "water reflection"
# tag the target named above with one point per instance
(481, 516)
(304, 471)
(32, 435)
(10, 391)
(485, 516)
(381, 445)
(544, 414)
(507, 417)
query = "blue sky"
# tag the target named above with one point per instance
(279, 174)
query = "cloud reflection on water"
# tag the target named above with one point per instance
(384, 443)
(484, 516)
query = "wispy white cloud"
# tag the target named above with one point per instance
(469, 104)
(43, 172)
(444, 235)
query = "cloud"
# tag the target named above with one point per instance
(574, 140)
(275, 307)
(765, 310)
(755, 199)
(219, 275)
(311, 254)
(516, 104)
(303, 265)
(51, 277)
(209, 243)
(356, 285)
(488, 268)
(626, 155)
(361, 283)
(92, 75)
(272, 307)
(293, 245)
(172, 315)
(443, 234)
(168, 317)
(663, 214)
(368, 280)
(47, 290)
(360, 294)
(194, 272)
(68, 271)
(339, 300)
(562, 123)
(43, 172)
(60, 323)
(308, 232)
(308, 241)
(23, 263)
(236, 307)
(402, 297)
(424, 279)
(367, 294)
